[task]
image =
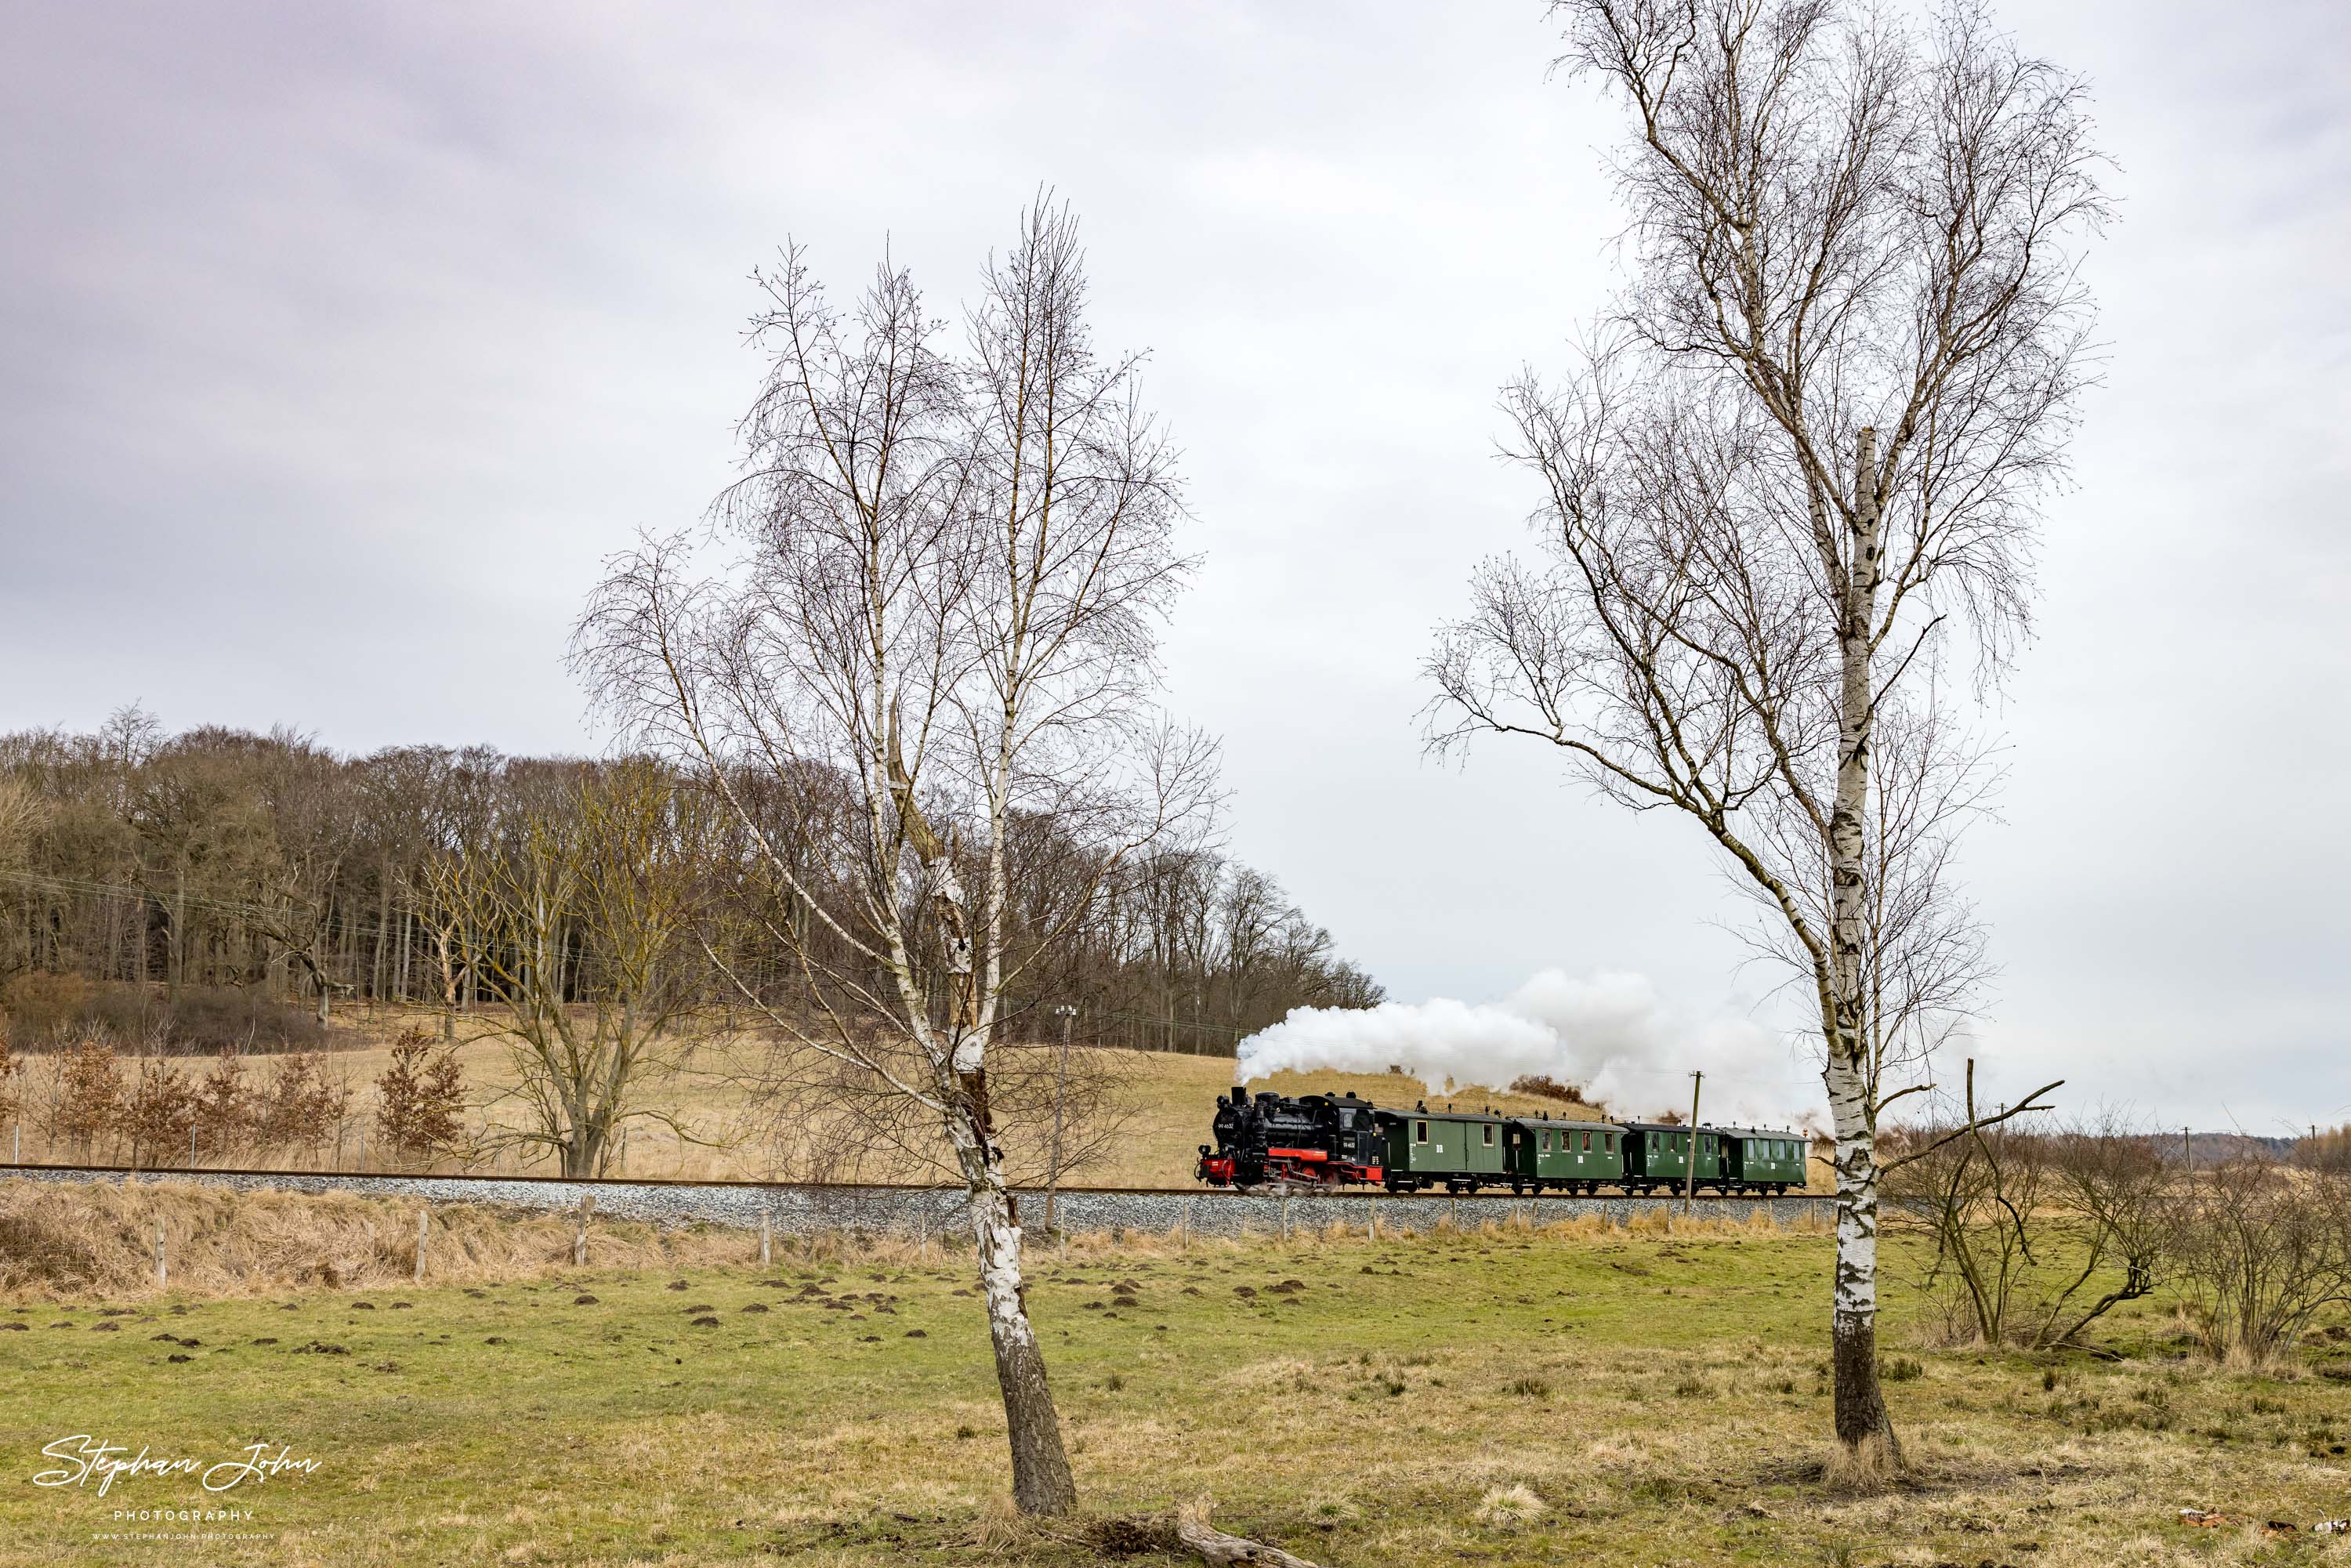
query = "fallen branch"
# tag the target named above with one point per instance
(1221, 1551)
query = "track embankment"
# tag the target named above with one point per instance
(811, 1208)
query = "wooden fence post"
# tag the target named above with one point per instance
(423, 1229)
(579, 1237)
(163, 1273)
(766, 1238)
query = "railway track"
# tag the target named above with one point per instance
(809, 1208)
(1360, 1194)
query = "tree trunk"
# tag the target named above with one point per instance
(1042, 1483)
(1861, 1416)
(382, 930)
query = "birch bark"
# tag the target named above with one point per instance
(1860, 1401)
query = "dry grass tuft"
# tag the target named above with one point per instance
(1507, 1507)
(1868, 1465)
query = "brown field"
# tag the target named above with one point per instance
(1167, 1100)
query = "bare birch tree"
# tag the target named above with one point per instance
(953, 573)
(1799, 473)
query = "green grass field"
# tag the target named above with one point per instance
(1511, 1396)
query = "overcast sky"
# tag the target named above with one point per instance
(341, 343)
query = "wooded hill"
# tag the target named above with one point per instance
(272, 865)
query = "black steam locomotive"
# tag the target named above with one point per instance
(1317, 1139)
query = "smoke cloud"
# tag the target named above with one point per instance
(1610, 1032)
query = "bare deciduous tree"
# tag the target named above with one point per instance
(587, 926)
(949, 599)
(1802, 463)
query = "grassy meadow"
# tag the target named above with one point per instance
(1509, 1395)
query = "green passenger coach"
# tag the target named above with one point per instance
(1657, 1156)
(1761, 1159)
(1570, 1157)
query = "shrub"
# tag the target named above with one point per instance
(2257, 1252)
(89, 1095)
(224, 1107)
(57, 1010)
(156, 1114)
(421, 1098)
(1549, 1088)
(298, 1108)
(43, 1008)
(216, 1018)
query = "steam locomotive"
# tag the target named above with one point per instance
(1328, 1141)
(1314, 1138)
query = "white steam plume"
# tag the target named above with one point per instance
(1611, 1034)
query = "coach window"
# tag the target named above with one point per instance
(1653, 1142)
(1490, 1134)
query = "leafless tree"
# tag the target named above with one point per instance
(1798, 471)
(953, 572)
(588, 926)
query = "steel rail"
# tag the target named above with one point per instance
(1364, 1194)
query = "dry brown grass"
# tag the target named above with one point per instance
(61, 1239)
(98, 1238)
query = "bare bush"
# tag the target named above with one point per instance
(2257, 1251)
(47, 1009)
(2111, 1192)
(2035, 1234)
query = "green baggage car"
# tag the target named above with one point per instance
(1460, 1150)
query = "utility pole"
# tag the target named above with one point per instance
(1061, 1093)
(1690, 1181)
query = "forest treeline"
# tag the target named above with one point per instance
(220, 867)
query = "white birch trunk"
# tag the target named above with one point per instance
(1861, 1417)
(1041, 1482)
